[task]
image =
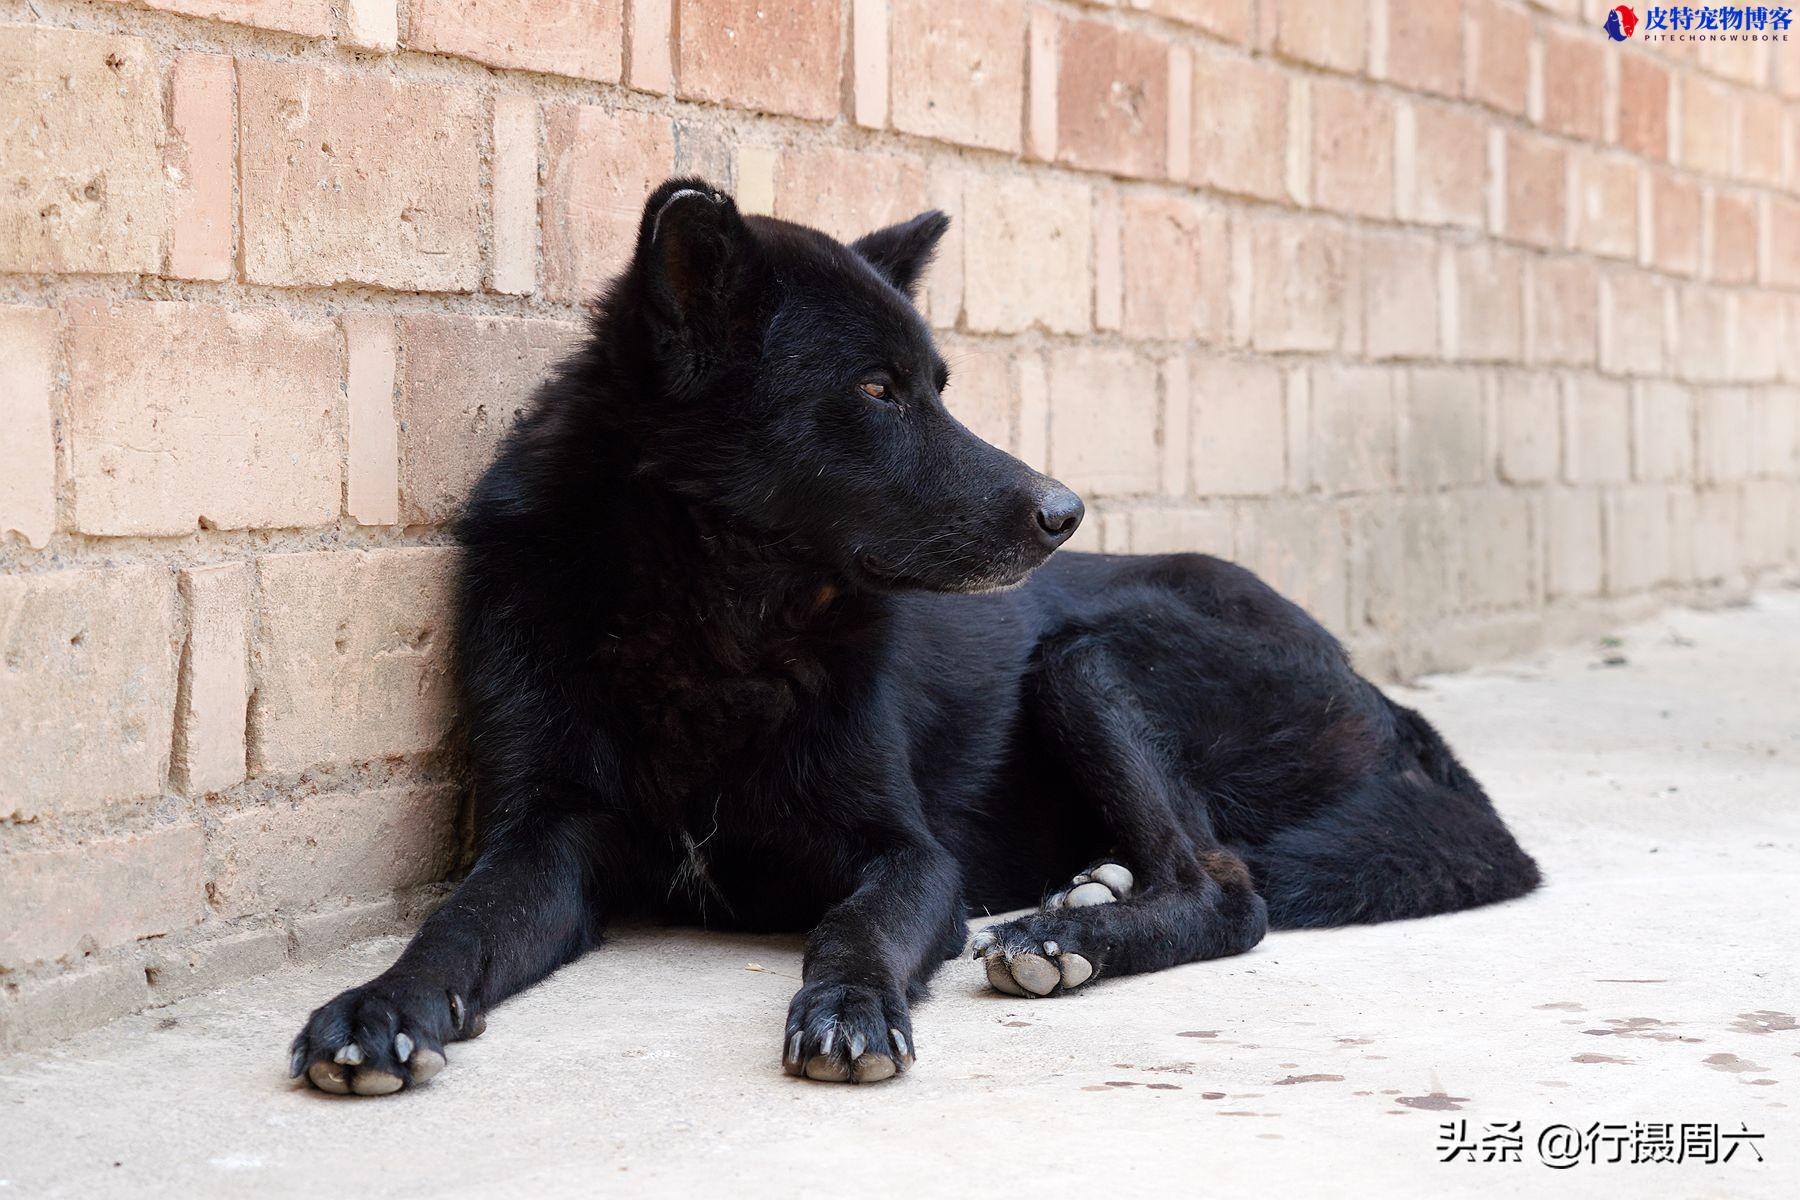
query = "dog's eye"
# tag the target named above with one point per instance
(874, 389)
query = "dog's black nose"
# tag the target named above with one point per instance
(1058, 513)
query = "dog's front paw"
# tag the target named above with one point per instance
(376, 1039)
(847, 1033)
(1037, 955)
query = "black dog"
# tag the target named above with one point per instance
(737, 647)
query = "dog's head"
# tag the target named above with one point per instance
(798, 392)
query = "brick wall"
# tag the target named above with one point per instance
(1467, 327)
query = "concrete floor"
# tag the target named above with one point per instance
(1654, 979)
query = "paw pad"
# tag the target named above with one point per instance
(1102, 884)
(1023, 971)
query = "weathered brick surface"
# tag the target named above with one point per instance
(1643, 106)
(466, 381)
(781, 58)
(1300, 285)
(1498, 54)
(351, 657)
(1574, 71)
(958, 70)
(1319, 32)
(314, 211)
(583, 38)
(192, 415)
(1112, 101)
(96, 894)
(28, 453)
(1424, 47)
(202, 88)
(1240, 125)
(309, 17)
(1238, 420)
(1027, 254)
(845, 193)
(1352, 149)
(211, 705)
(288, 856)
(88, 688)
(599, 167)
(1528, 409)
(1443, 166)
(82, 147)
(1354, 429)
(1103, 422)
(1176, 266)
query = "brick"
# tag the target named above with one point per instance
(779, 58)
(1112, 99)
(1537, 178)
(1442, 166)
(1706, 125)
(1176, 430)
(1775, 432)
(311, 18)
(1297, 548)
(325, 932)
(1662, 433)
(294, 856)
(1498, 51)
(1042, 29)
(1703, 345)
(351, 656)
(943, 290)
(1528, 410)
(1301, 282)
(982, 392)
(1240, 125)
(1483, 303)
(1722, 435)
(869, 55)
(372, 485)
(1404, 563)
(1238, 428)
(1575, 82)
(88, 689)
(1229, 19)
(1400, 296)
(1352, 149)
(1184, 530)
(1757, 322)
(73, 900)
(1638, 551)
(1562, 297)
(847, 193)
(958, 70)
(1352, 446)
(1443, 436)
(1718, 534)
(649, 49)
(1027, 254)
(192, 415)
(514, 198)
(1424, 46)
(1760, 120)
(1320, 32)
(1499, 548)
(315, 212)
(86, 187)
(579, 38)
(1675, 206)
(1597, 431)
(1643, 100)
(1732, 237)
(600, 166)
(372, 24)
(36, 1011)
(1109, 260)
(28, 452)
(179, 971)
(1783, 222)
(467, 381)
(201, 98)
(1574, 551)
(1605, 208)
(1103, 421)
(1177, 265)
(1633, 323)
(1768, 523)
(214, 689)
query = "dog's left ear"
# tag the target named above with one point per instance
(902, 252)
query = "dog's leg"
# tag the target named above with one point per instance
(1170, 895)
(521, 913)
(850, 1021)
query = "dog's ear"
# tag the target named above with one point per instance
(691, 247)
(902, 252)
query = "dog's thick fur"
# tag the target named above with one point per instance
(736, 648)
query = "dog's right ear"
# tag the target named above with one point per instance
(691, 246)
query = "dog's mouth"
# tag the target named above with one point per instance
(989, 577)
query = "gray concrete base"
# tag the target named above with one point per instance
(1655, 979)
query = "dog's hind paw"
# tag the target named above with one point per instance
(1021, 964)
(1102, 883)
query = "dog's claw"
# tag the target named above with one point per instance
(900, 1043)
(981, 943)
(349, 1056)
(403, 1047)
(458, 1012)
